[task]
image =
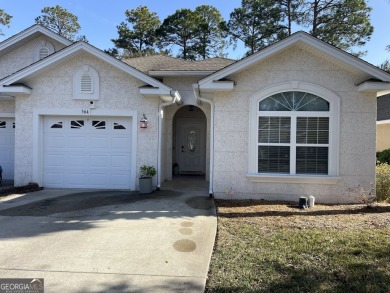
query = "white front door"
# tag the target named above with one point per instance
(93, 152)
(7, 147)
(191, 145)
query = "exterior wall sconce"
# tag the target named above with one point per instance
(143, 122)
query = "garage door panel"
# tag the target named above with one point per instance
(76, 179)
(76, 141)
(54, 178)
(94, 156)
(7, 147)
(119, 161)
(76, 161)
(56, 141)
(99, 162)
(55, 160)
(119, 180)
(99, 142)
(120, 142)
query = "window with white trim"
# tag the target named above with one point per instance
(294, 133)
(86, 83)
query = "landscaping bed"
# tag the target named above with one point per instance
(20, 189)
(276, 247)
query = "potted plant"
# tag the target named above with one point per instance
(146, 174)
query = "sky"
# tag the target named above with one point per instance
(98, 19)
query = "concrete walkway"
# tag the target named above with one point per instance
(110, 241)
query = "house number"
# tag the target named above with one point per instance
(85, 111)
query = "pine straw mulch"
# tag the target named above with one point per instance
(287, 214)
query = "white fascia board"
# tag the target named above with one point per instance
(289, 41)
(153, 91)
(180, 72)
(89, 49)
(217, 86)
(28, 32)
(166, 96)
(381, 88)
(12, 90)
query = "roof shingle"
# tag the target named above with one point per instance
(167, 63)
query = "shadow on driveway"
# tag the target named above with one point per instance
(82, 201)
(85, 210)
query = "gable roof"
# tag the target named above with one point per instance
(160, 63)
(306, 39)
(29, 34)
(72, 50)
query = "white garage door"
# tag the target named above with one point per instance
(7, 147)
(93, 152)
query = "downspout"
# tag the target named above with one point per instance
(211, 191)
(176, 99)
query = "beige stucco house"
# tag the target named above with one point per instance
(297, 118)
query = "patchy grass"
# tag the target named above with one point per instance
(268, 247)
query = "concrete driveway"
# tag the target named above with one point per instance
(109, 241)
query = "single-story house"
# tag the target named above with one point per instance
(383, 123)
(296, 118)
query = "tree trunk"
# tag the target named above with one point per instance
(315, 18)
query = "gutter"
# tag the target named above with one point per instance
(176, 99)
(211, 191)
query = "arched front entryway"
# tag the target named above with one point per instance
(189, 140)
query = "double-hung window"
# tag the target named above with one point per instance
(293, 134)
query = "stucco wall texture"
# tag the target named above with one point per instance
(357, 129)
(53, 90)
(22, 56)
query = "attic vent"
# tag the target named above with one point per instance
(86, 84)
(42, 49)
(43, 53)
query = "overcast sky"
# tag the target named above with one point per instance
(98, 19)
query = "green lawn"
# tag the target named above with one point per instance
(259, 256)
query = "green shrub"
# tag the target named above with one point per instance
(146, 171)
(383, 156)
(382, 181)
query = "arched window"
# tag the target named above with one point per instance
(43, 49)
(86, 83)
(293, 134)
(294, 131)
